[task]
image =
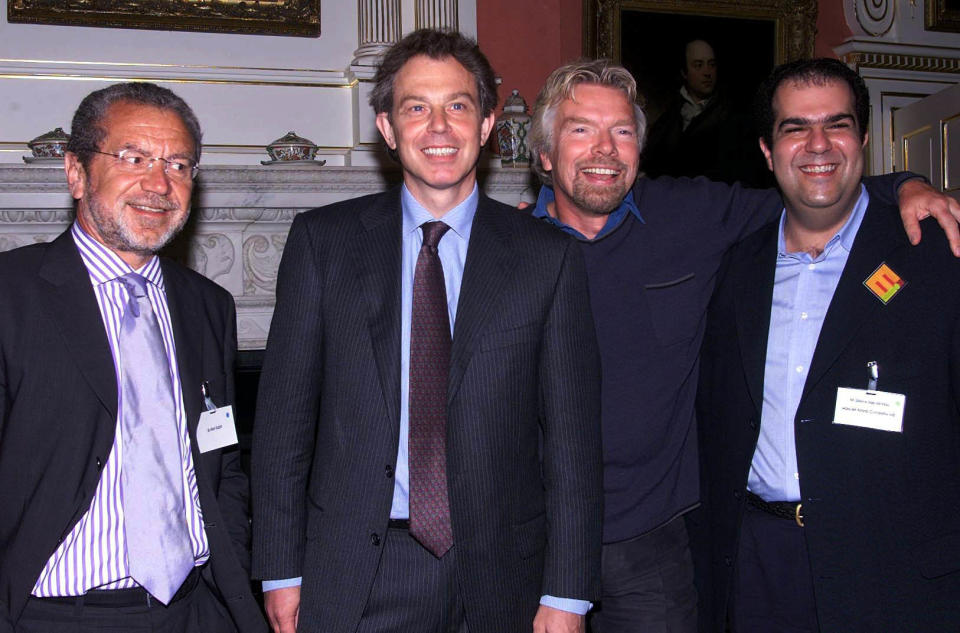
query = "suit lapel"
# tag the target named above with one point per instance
(879, 239)
(73, 306)
(377, 257)
(490, 258)
(755, 272)
(187, 326)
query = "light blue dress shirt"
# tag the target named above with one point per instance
(453, 256)
(802, 290)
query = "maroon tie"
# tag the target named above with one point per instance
(429, 372)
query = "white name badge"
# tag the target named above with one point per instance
(216, 429)
(878, 410)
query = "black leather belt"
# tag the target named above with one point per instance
(790, 510)
(399, 524)
(134, 597)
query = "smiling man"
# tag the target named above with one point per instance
(114, 516)
(426, 451)
(828, 404)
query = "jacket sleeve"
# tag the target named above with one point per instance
(572, 458)
(233, 495)
(287, 410)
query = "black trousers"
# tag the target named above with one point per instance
(648, 584)
(773, 586)
(414, 591)
(199, 611)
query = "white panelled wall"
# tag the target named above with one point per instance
(247, 91)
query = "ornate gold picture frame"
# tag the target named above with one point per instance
(794, 21)
(943, 15)
(261, 17)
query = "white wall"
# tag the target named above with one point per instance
(247, 90)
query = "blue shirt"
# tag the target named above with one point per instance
(453, 255)
(802, 290)
(547, 196)
(452, 250)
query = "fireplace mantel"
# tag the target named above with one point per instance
(239, 224)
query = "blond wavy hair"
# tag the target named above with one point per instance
(559, 86)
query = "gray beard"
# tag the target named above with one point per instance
(118, 235)
(588, 199)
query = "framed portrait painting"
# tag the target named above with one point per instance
(943, 15)
(258, 17)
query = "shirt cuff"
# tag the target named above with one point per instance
(270, 585)
(580, 607)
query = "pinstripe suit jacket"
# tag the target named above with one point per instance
(526, 511)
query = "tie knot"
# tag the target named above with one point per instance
(432, 232)
(136, 284)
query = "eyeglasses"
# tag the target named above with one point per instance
(134, 162)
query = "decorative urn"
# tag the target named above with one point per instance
(53, 144)
(511, 130)
(291, 147)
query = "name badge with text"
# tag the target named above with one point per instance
(216, 429)
(878, 410)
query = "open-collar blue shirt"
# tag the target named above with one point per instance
(802, 290)
(614, 220)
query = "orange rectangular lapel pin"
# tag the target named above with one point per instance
(884, 283)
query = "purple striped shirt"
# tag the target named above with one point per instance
(94, 554)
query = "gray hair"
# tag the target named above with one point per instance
(559, 86)
(87, 131)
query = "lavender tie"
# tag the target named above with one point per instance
(429, 373)
(159, 552)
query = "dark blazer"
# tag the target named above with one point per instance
(58, 412)
(524, 366)
(881, 509)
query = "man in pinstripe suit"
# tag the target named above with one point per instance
(77, 432)
(336, 534)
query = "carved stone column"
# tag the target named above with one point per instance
(438, 14)
(379, 27)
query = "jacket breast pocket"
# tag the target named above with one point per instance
(674, 308)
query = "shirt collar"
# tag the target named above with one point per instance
(104, 265)
(459, 218)
(845, 236)
(548, 196)
(689, 98)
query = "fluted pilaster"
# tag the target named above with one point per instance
(439, 14)
(378, 28)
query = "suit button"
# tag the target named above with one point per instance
(727, 561)
(737, 494)
(388, 471)
(753, 423)
(375, 539)
(99, 465)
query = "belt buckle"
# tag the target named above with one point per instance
(798, 515)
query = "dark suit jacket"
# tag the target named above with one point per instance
(882, 509)
(524, 360)
(58, 412)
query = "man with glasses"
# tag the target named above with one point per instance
(120, 512)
